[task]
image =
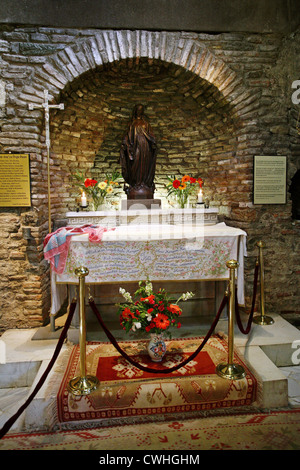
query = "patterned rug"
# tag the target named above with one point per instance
(277, 430)
(130, 394)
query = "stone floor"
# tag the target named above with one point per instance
(271, 350)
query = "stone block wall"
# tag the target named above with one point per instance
(214, 102)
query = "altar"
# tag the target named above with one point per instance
(138, 214)
(166, 246)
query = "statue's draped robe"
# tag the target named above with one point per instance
(138, 154)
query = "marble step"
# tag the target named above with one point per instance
(10, 401)
(18, 374)
(279, 341)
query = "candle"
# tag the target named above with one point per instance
(83, 200)
(200, 196)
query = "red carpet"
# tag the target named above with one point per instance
(126, 392)
(114, 367)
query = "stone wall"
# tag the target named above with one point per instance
(214, 102)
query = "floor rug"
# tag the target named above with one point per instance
(128, 393)
(277, 430)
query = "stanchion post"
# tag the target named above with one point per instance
(82, 384)
(231, 370)
(262, 319)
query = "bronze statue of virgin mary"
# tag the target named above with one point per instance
(138, 157)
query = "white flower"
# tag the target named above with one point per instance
(136, 326)
(125, 294)
(187, 295)
(148, 287)
(149, 317)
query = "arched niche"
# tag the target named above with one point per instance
(195, 126)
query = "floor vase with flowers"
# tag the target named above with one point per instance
(151, 313)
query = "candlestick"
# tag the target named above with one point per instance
(83, 200)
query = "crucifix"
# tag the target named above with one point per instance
(47, 108)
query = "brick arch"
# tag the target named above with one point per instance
(181, 49)
(190, 119)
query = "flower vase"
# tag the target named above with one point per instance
(183, 201)
(97, 204)
(156, 347)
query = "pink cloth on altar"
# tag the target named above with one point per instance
(56, 244)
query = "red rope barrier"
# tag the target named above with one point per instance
(57, 350)
(149, 369)
(246, 330)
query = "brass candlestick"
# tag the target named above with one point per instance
(82, 384)
(231, 370)
(262, 319)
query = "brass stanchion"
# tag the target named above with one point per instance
(262, 319)
(82, 384)
(231, 370)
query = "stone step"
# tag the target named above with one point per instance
(278, 341)
(18, 374)
(10, 401)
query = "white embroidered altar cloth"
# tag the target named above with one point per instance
(156, 252)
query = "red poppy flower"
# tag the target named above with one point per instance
(192, 180)
(176, 184)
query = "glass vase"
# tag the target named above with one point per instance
(183, 200)
(97, 204)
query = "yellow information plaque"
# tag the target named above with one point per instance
(269, 180)
(14, 180)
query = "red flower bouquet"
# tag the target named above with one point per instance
(150, 312)
(184, 187)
